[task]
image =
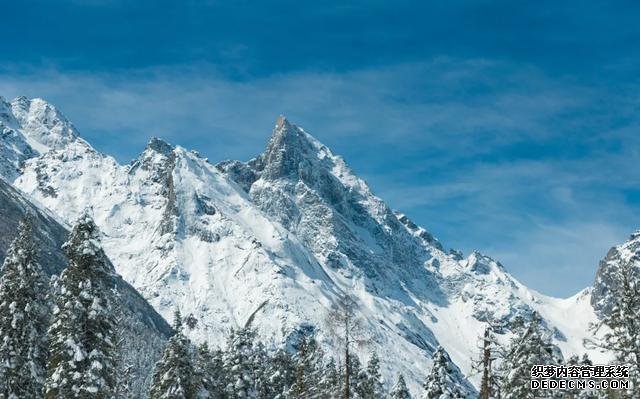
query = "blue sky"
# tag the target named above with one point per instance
(507, 127)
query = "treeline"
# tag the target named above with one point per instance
(246, 369)
(61, 338)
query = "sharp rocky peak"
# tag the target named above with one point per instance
(158, 157)
(160, 146)
(42, 122)
(288, 147)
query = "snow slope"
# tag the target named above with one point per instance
(274, 241)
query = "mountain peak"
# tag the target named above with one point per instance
(285, 132)
(159, 145)
(282, 122)
(42, 122)
(287, 148)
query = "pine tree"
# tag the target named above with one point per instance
(441, 382)
(240, 363)
(307, 374)
(209, 373)
(261, 371)
(23, 320)
(173, 374)
(623, 337)
(280, 374)
(529, 347)
(357, 382)
(81, 362)
(400, 390)
(330, 381)
(124, 366)
(372, 386)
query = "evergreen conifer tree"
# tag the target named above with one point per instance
(280, 373)
(173, 376)
(529, 347)
(373, 387)
(307, 373)
(358, 379)
(330, 381)
(441, 382)
(261, 371)
(81, 361)
(400, 390)
(209, 373)
(240, 363)
(23, 319)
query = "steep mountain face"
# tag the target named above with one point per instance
(146, 330)
(14, 148)
(49, 235)
(390, 262)
(274, 241)
(605, 286)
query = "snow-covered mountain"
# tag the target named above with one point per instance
(605, 286)
(274, 242)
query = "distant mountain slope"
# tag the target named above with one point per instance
(274, 241)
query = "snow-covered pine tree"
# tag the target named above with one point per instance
(243, 374)
(400, 390)
(81, 360)
(200, 371)
(280, 373)
(23, 319)
(262, 377)
(372, 387)
(530, 346)
(173, 376)
(623, 337)
(125, 369)
(358, 379)
(330, 381)
(307, 374)
(209, 373)
(441, 382)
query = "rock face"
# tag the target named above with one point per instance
(275, 241)
(605, 287)
(49, 234)
(14, 149)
